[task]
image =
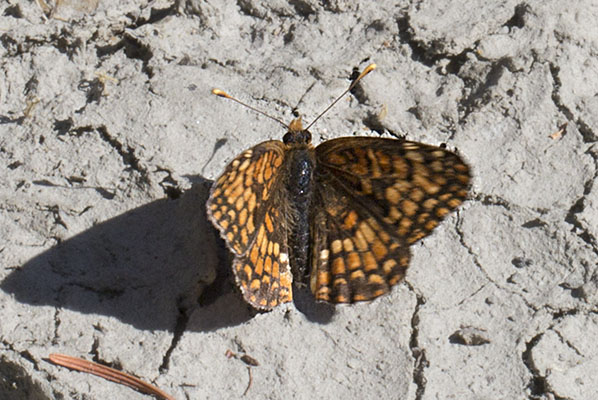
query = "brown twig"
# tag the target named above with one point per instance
(248, 383)
(249, 361)
(111, 374)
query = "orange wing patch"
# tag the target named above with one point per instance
(263, 273)
(244, 203)
(407, 187)
(239, 197)
(353, 258)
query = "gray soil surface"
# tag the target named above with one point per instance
(110, 140)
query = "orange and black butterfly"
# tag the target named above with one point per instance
(340, 216)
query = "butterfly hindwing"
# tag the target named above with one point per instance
(263, 273)
(353, 258)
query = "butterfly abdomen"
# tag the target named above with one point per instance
(301, 165)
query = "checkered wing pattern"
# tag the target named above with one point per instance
(245, 206)
(375, 197)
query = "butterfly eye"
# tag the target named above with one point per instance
(288, 137)
(305, 136)
(302, 137)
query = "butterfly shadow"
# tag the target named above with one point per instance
(149, 267)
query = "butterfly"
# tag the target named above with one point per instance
(339, 217)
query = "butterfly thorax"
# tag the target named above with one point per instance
(300, 163)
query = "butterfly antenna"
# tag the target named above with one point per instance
(366, 71)
(222, 93)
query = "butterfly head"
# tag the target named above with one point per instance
(296, 134)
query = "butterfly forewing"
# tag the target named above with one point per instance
(407, 187)
(374, 198)
(245, 205)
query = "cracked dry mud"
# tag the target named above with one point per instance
(109, 141)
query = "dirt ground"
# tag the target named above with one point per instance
(110, 140)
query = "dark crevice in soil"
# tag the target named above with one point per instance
(578, 228)
(9, 120)
(457, 61)
(377, 25)
(169, 185)
(556, 98)
(521, 262)
(588, 135)
(560, 314)
(419, 354)
(133, 49)
(96, 356)
(357, 91)
(575, 292)
(103, 293)
(518, 18)
(127, 154)
(302, 8)
(13, 11)
(480, 94)
(586, 131)
(372, 122)
(571, 218)
(179, 330)
(94, 89)
(109, 50)
(492, 200)
(105, 193)
(474, 256)
(429, 54)
(55, 211)
(537, 385)
(247, 7)
(62, 127)
(534, 223)
(289, 36)
(16, 382)
(156, 15)
(468, 337)
(12, 47)
(56, 326)
(63, 41)
(29, 357)
(14, 165)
